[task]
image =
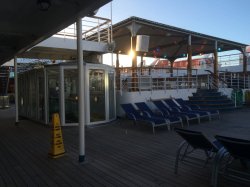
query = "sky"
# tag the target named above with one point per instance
(227, 19)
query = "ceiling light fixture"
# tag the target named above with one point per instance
(43, 5)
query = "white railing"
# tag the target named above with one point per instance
(235, 80)
(145, 80)
(150, 79)
(93, 29)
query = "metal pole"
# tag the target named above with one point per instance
(189, 65)
(62, 100)
(111, 34)
(216, 73)
(111, 18)
(46, 97)
(81, 85)
(16, 90)
(141, 64)
(244, 60)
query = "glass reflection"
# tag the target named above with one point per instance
(97, 95)
(70, 95)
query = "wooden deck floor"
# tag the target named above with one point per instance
(118, 154)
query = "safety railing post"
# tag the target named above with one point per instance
(139, 82)
(248, 78)
(224, 80)
(177, 82)
(244, 84)
(165, 85)
(235, 105)
(231, 79)
(151, 86)
(120, 85)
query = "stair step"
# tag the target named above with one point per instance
(229, 103)
(213, 94)
(211, 99)
(221, 109)
(195, 98)
(206, 90)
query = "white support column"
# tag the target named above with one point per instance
(189, 65)
(62, 103)
(81, 96)
(46, 97)
(243, 50)
(16, 90)
(216, 72)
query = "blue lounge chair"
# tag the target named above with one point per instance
(194, 140)
(183, 103)
(202, 114)
(144, 107)
(176, 112)
(234, 149)
(136, 115)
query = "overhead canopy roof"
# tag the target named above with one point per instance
(23, 24)
(167, 41)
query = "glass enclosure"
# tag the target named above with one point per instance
(100, 97)
(54, 89)
(31, 94)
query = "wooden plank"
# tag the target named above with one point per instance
(118, 154)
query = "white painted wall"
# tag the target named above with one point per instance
(67, 43)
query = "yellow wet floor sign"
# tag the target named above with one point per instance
(57, 146)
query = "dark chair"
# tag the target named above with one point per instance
(182, 102)
(172, 119)
(137, 115)
(194, 140)
(203, 114)
(234, 149)
(213, 113)
(176, 112)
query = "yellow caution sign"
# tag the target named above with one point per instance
(57, 146)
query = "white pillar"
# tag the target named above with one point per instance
(16, 90)
(62, 103)
(46, 101)
(81, 96)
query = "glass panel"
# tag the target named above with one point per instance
(41, 99)
(32, 95)
(70, 95)
(22, 91)
(53, 92)
(97, 95)
(111, 77)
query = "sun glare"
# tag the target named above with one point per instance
(131, 54)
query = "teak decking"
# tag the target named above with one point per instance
(118, 154)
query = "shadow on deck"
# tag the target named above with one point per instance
(118, 154)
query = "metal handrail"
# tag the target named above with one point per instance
(93, 29)
(148, 82)
(151, 79)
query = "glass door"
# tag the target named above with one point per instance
(41, 108)
(53, 92)
(112, 98)
(70, 95)
(97, 95)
